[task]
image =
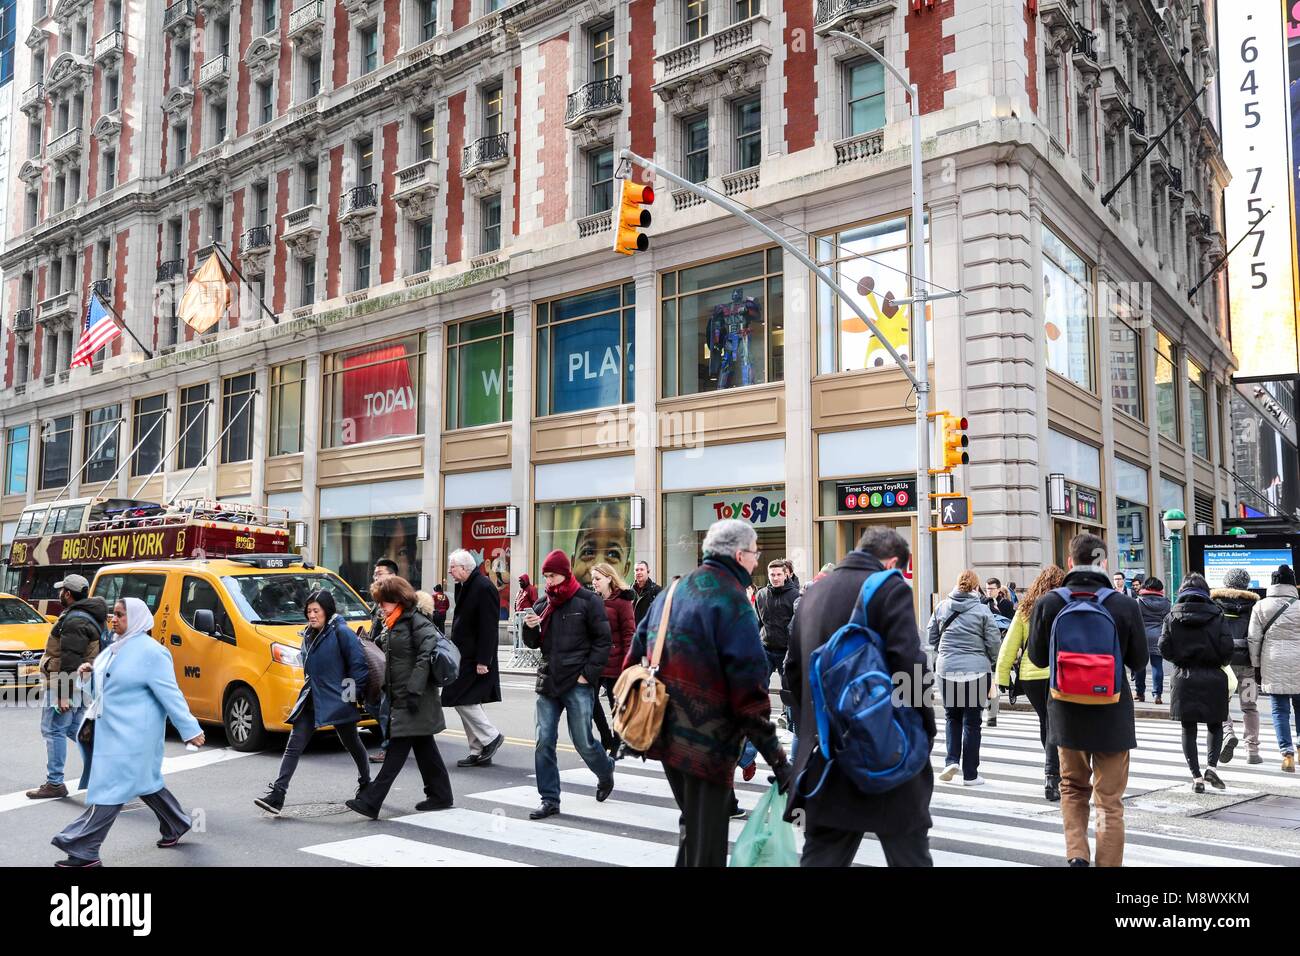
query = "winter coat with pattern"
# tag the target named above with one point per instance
(1277, 653)
(1196, 642)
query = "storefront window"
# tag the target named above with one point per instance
(480, 371)
(102, 425)
(1126, 368)
(351, 546)
(723, 324)
(688, 515)
(17, 449)
(237, 403)
(373, 392)
(148, 431)
(1166, 389)
(875, 260)
(1133, 521)
(589, 532)
(482, 532)
(1198, 399)
(585, 348)
(286, 408)
(1172, 495)
(56, 452)
(1067, 310)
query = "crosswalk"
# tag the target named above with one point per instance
(1004, 823)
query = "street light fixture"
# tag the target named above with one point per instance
(1175, 521)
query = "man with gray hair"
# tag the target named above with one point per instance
(474, 632)
(716, 673)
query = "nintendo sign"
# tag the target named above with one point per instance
(488, 529)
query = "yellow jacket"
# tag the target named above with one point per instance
(1017, 637)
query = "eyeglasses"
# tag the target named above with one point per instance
(749, 551)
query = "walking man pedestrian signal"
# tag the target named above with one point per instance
(954, 511)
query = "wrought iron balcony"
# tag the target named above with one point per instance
(23, 320)
(831, 12)
(215, 72)
(1087, 43)
(597, 98)
(102, 288)
(109, 46)
(359, 198)
(171, 269)
(1176, 179)
(1139, 122)
(258, 237)
(32, 98)
(178, 13)
(64, 144)
(306, 18)
(486, 152)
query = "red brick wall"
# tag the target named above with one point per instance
(1031, 54)
(553, 155)
(79, 323)
(455, 223)
(459, 13)
(281, 253)
(126, 87)
(284, 78)
(519, 74)
(120, 281)
(191, 260)
(926, 47)
(800, 98)
(334, 235)
(387, 207)
(167, 82)
(196, 61)
(392, 28)
(158, 309)
(38, 341)
(232, 246)
(641, 67)
(244, 92)
(342, 37)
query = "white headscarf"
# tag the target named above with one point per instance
(138, 619)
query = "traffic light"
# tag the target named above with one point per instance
(631, 218)
(955, 441)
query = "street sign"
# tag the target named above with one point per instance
(890, 494)
(954, 511)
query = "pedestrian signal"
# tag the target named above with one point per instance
(632, 218)
(954, 510)
(955, 441)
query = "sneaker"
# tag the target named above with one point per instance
(1198, 785)
(973, 782)
(473, 760)
(1078, 861)
(1229, 745)
(166, 843)
(949, 772)
(272, 802)
(356, 806)
(1213, 779)
(48, 791)
(1288, 763)
(485, 757)
(427, 805)
(736, 813)
(782, 723)
(544, 811)
(747, 773)
(1254, 758)
(76, 863)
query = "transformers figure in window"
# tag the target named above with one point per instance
(727, 340)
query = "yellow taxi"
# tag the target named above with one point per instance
(232, 627)
(23, 633)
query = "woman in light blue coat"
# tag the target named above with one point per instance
(133, 693)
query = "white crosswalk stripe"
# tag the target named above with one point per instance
(1004, 823)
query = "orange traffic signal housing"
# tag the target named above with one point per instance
(955, 441)
(632, 218)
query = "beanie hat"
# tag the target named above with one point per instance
(1238, 578)
(557, 562)
(1284, 575)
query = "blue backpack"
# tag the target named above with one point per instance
(873, 743)
(1087, 663)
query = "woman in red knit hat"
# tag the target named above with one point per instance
(570, 627)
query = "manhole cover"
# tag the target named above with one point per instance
(1282, 813)
(316, 810)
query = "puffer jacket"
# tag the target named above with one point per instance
(1237, 606)
(1155, 608)
(334, 674)
(1197, 644)
(1018, 637)
(969, 645)
(1277, 653)
(74, 638)
(408, 646)
(621, 613)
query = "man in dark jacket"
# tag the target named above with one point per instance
(714, 668)
(996, 604)
(74, 640)
(570, 626)
(1094, 739)
(1238, 602)
(474, 632)
(1155, 608)
(840, 814)
(645, 589)
(774, 605)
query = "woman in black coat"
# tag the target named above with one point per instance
(1197, 643)
(334, 676)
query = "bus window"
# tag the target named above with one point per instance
(31, 522)
(68, 520)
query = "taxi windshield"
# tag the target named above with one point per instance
(14, 611)
(279, 598)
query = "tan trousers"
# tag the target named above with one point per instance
(1104, 777)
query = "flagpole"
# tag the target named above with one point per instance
(234, 268)
(122, 322)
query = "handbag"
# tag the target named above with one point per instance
(376, 665)
(640, 698)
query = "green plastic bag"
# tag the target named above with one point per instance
(767, 840)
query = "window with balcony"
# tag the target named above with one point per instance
(287, 383)
(194, 416)
(585, 350)
(18, 449)
(373, 392)
(361, 257)
(99, 446)
(602, 52)
(1067, 306)
(56, 452)
(492, 110)
(222, 28)
(423, 245)
(427, 135)
(745, 9)
(1167, 420)
(104, 254)
(310, 178)
(695, 158)
(747, 115)
(1126, 367)
(480, 371)
(864, 95)
(600, 167)
(1198, 398)
(266, 101)
(696, 19)
(365, 153)
(312, 68)
(237, 403)
(368, 47)
(307, 282)
(261, 203)
(490, 224)
(269, 9)
(427, 15)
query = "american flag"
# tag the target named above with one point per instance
(101, 328)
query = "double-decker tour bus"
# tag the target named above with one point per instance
(82, 535)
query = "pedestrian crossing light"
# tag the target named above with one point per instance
(955, 441)
(632, 218)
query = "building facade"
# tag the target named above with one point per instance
(432, 326)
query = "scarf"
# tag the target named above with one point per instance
(557, 597)
(391, 619)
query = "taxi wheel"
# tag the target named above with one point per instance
(242, 718)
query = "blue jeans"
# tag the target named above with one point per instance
(964, 717)
(58, 729)
(775, 664)
(1157, 677)
(578, 703)
(1282, 707)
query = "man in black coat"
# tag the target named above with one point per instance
(1094, 739)
(474, 632)
(840, 814)
(645, 589)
